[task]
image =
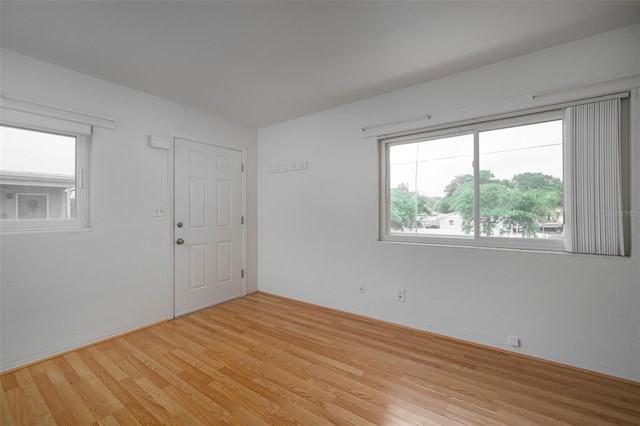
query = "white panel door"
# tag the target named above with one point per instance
(208, 225)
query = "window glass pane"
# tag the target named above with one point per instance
(521, 181)
(37, 175)
(429, 181)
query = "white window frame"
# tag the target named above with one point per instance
(82, 150)
(475, 239)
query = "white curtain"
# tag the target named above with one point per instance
(593, 179)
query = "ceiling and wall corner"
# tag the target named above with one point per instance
(322, 70)
(64, 289)
(263, 62)
(318, 229)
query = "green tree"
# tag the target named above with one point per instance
(547, 190)
(494, 205)
(444, 205)
(493, 199)
(407, 206)
(537, 181)
(524, 212)
(505, 205)
(427, 204)
(461, 200)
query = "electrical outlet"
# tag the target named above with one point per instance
(400, 296)
(514, 341)
(158, 211)
(361, 287)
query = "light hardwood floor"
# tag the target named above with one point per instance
(268, 360)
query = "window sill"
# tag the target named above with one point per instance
(491, 243)
(40, 226)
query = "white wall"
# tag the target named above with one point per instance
(60, 290)
(317, 227)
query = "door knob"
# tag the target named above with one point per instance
(179, 224)
(179, 241)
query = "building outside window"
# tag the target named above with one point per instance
(39, 178)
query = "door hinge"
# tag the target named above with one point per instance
(242, 220)
(242, 274)
(242, 167)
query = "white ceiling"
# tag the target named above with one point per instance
(265, 62)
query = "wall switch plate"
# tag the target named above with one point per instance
(514, 341)
(361, 287)
(400, 296)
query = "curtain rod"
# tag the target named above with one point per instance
(584, 85)
(512, 114)
(110, 121)
(532, 97)
(411, 120)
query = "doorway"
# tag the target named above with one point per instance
(207, 223)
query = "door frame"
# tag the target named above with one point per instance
(170, 210)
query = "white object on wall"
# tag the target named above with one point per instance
(289, 166)
(158, 142)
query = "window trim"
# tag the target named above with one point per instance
(451, 129)
(82, 190)
(472, 240)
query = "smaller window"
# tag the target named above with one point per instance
(41, 179)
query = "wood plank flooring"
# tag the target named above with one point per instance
(268, 360)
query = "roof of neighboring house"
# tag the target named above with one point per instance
(447, 215)
(8, 177)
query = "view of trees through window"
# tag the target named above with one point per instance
(520, 184)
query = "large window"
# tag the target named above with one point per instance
(42, 179)
(494, 182)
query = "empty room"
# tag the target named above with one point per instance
(423, 213)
